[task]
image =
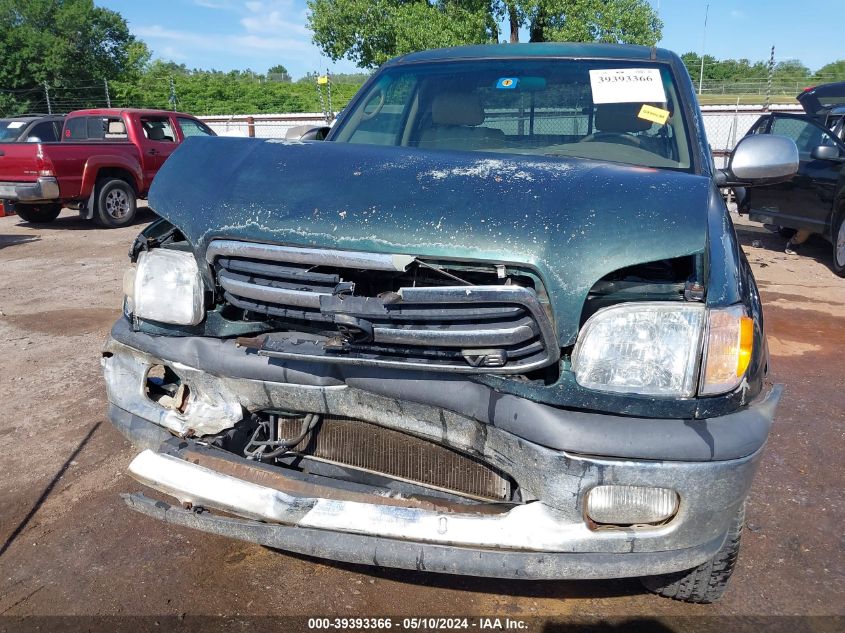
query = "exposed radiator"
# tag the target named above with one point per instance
(373, 448)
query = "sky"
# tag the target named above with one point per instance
(257, 34)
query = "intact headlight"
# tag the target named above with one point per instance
(646, 348)
(166, 287)
(656, 349)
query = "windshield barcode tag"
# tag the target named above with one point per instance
(627, 85)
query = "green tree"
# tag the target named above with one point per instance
(369, 32)
(609, 21)
(278, 73)
(67, 43)
(791, 70)
(834, 71)
(725, 70)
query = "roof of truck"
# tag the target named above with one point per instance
(119, 111)
(544, 49)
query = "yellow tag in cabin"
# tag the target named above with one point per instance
(324, 79)
(655, 115)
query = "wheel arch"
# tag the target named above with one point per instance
(98, 167)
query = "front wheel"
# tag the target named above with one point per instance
(837, 236)
(38, 213)
(707, 582)
(116, 203)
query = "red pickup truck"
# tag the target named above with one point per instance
(105, 161)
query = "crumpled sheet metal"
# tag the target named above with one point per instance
(573, 220)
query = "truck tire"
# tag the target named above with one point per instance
(115, 202)
(837, 237)
(38, 213)
(707, 582)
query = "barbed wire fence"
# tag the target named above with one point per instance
(216, 95)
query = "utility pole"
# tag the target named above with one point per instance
(769, 82)
(329, 90)
(47, 95)
(172, 95)
(703, 46)
(108, 97)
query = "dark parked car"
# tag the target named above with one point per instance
(32, 128)
(814, 200)
(826, 104)
(513, 334)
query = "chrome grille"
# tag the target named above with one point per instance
(324, 315)
(369, 447)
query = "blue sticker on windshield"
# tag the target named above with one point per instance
(507, 83)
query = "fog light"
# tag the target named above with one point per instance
(631, 505)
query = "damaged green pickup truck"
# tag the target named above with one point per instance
(497, 324)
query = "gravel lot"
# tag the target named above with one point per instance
(68, 545)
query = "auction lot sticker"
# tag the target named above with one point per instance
(627, 85)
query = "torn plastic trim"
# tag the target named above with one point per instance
(387, 395)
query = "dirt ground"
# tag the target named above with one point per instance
(69, 546)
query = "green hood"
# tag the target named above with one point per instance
(572, 220)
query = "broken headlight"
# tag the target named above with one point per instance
(166, 287)
(646, 348)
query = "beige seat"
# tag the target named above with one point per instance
(116, 129)
(615, 122)
(456, 119)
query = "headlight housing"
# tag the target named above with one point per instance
(730, 341)
(646, 348)
(166, 287)
(661, 349)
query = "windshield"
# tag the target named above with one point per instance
(618, 111)
(10, 129)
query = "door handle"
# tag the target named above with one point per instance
(2, 153)
(152, 152)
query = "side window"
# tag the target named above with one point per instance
(158, 129)
(190, 127)
(383, 112)
(96, 128)
(759, 126)
(806, 134)
(114, 129)
(76, 129)
(42, 133)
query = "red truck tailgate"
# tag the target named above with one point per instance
(19, 162)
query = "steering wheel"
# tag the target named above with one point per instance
(379, 93)
(620, 138)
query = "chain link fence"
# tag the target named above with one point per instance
(262, 125)
(725, 125)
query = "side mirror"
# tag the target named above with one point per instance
(760, 159)
(827, 152)
(307, 133)
(33, 139)
(316, 134)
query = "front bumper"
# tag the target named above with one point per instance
(42, 190)
(546, 536)
(402, 554)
